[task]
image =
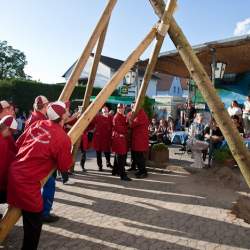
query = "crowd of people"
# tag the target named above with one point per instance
(38, 146)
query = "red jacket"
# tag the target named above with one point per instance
(103, 133)
(119, 134)
(35, 116)
(42, 147)
(8, 152)
(139, 129)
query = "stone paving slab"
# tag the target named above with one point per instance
(168, 210)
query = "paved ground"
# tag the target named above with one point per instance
(169, 210)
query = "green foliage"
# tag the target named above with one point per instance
(148, 106)
(23, 92)
(220, 155)
(12, 62)
(160, 147)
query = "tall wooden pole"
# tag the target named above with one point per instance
(101, 98)
(198, 73)
(78, 68)
(90, 85)
(13, 214)
(166, 18)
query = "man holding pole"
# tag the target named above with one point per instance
(42, 147)
(119, 143)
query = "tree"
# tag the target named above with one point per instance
(12, 62)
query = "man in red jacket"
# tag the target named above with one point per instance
(119, 143)
(102, 137)
(139, 142)
(40, 108)
(8, 126)
(42, 147)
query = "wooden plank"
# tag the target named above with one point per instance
(198, 73)
(74, 77)
(90, 85)
(166, 18)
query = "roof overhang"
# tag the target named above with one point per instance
(235, 52)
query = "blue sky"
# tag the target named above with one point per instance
(52, 33)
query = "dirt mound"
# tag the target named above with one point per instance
(242, 208)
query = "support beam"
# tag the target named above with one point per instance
(90, 85)
(101, 98)
(166, 18)
(199, 75)
(74, 77)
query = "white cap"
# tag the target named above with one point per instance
(56, 110)
(40, 100)
(9, 121)
(4, 104)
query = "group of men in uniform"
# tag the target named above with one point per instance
(45, 147)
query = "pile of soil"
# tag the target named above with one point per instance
(241, 208)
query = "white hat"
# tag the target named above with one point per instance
(4, 104)
(40, 100)
(9, 121)
(56, 110)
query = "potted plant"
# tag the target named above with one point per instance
(224, 157)
(160, 153)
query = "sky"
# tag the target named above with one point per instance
(53, 33)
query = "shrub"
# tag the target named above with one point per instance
(160, 147)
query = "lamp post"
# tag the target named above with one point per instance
(218, 68)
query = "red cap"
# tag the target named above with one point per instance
(9, 121)
(56, 110)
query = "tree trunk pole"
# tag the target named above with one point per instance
(90, 85)
(198, 73)
(101, 98)
(81, 62)
(165, 21)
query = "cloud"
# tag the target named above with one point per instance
(242, 27)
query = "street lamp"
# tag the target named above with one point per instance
(218, 68)
(130, 77)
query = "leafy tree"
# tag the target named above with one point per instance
(12, 62)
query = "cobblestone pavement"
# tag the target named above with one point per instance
(168, 210)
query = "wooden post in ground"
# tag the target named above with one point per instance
(164, 25)
(89, 86)
(81, 62)
(101, 98)
(198, 73)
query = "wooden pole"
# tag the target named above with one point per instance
(166, 18)
(74, 77)
(13, 214)
(101, 98)
(198, 73)
(90, 85)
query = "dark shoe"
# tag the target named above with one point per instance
(50, 218)
(141, 175)
(132, 169)
(84, 170)
(126, 178)
(100, 169)
(109, 165)
(114, 173)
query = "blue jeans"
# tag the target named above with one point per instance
(48, 195)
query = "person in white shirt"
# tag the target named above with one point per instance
(246, 116)
(234, 109)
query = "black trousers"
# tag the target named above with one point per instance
(140, 161)
(32, 227)
(119, 165)
(133, 160)
(83, 159)
(99, 158)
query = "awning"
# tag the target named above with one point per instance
(235, 52)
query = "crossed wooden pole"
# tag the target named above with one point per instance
(166, 25)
